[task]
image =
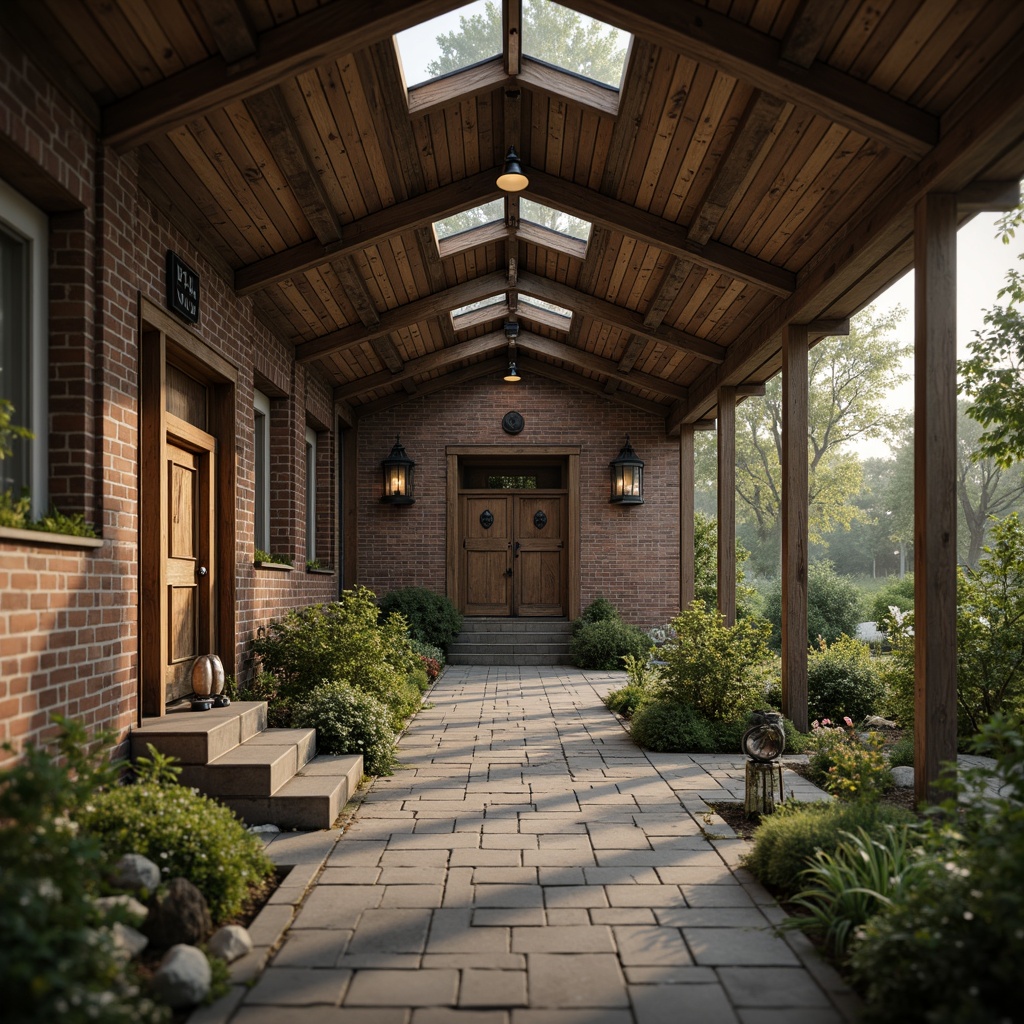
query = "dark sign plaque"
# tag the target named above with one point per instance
(182, 288)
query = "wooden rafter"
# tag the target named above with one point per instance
(755, 58)
(231, 28)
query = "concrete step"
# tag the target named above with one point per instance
(312, 799)
(257, 768)
(530, 624)
(514, 648)
(510, 659)
(198, 737)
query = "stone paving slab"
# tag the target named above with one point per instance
(529, 865)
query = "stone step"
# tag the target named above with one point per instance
(312, 799)
(458, 649)
(523, 625)
(510, 659)
(257, 768)
(199, 737)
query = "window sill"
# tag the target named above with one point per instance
(43, 537)
(320, 572)
(276, 566)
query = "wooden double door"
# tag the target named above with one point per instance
(513, 553)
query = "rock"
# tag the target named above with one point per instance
(256, 829)
(178, 916)
(134, 873)
(183, 977)
(128, 942)
(878, 722)
(135, 910)
(230, 942)
(903, 776)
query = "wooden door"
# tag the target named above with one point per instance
(487, 554)
(188, 563)
(539, 562)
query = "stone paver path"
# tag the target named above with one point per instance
(532, 866)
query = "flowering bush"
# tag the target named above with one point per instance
(350, 721)
(431, 667)
(847, 764)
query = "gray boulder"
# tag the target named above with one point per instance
(136, 911)
(134, 873)
(178, 915)
(127, 941)
(903, 776)
(230, 942)
(183, 977)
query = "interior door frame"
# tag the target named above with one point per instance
(162, 338)
(571, 454)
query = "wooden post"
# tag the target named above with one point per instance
(934, 490)
(794, 525)
(687, 577)
(727, 504)
(762, 779)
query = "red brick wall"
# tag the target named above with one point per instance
(629, 555)
(69, 616)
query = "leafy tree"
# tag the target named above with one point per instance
(705, 566)
(833, 606)
(551, 32)
(848, 381)
(993, 378)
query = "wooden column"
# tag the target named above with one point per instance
(687, 578)
(794, 525)
(934, 490)
(727, 504)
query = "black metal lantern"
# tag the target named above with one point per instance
(627, 477)
(512, 178)
(398, 470)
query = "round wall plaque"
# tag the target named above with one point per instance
(512, 423)
(487, 519)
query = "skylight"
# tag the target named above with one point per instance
(554, 220)
(583, 46)
(469, 219)
(450, 42)
(478, 312)
(546, 313)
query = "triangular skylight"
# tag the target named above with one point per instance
(488, 213)
(450, 42)
(554, 220)
(573, 42)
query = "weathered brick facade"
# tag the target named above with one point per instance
(628, 554)
(69, 624)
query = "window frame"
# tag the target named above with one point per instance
(26, 221)
(261, 470)
(311, 495)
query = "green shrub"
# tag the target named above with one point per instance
(667, 725)
(898, 593)
(599, 610)
(425, 650)
(785, 842)
(340, 642)
(833, 606)
(432, 618)
(989, 635)
(604, 643)
(627, 700)
(949, 950)
(720, 671)
(59, 962)
(862, 877)
(848, 764)
(350, 721)
(841, 680)
(901, 753)
(186, 833)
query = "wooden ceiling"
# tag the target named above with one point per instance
(759, 166)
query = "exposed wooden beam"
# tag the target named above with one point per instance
(282, 52)
(277, 126)
(634, 348)
(600, 309)
(636, 90)
(727, 505)
(404, 316)
(802, 42)
(828, 328)
(448, 380)
(431, 96)
(231, 28)
(648, 227)
(753, 57)
(575, 380)
(749, 391)
(442, 359)
(512, 26)
(988, 197)
(979, 131)
(597, 364)
(370, 230)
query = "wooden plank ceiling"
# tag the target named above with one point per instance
(758, 166)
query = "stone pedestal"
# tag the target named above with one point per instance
(763, 787)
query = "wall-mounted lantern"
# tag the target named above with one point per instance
(627, 477)
(398, 470)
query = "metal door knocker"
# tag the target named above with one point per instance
(540, 520)
(487, 519)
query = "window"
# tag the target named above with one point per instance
(450, 42)
(475, 226)
(573, 42)
(262, 475)
(23, 342)
(480, 312)
(310, 494)
(546, 313)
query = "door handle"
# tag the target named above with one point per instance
(515, 550)
(201, 571)
(508, 572)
